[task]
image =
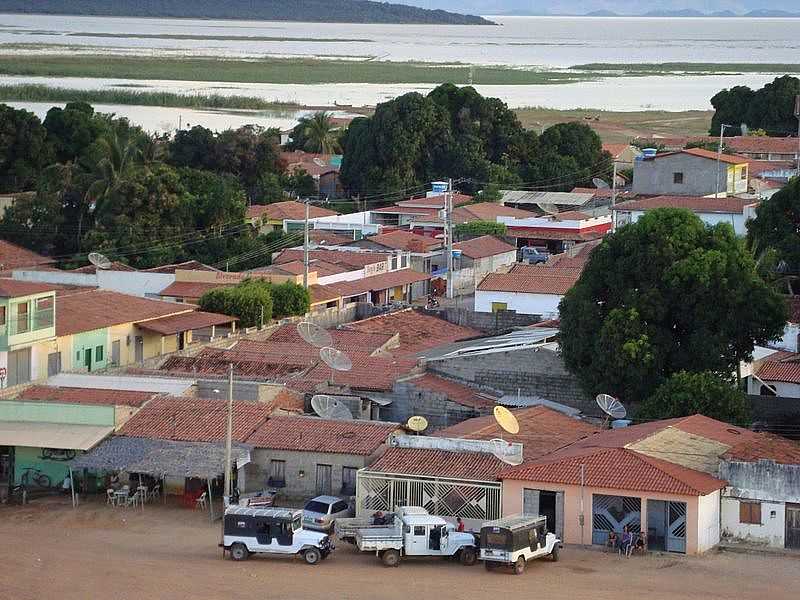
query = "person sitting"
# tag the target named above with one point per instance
(641, 543)
(612, 540)
(626, 541)
(459, 524)
(378, 519)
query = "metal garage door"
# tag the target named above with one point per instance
(19, 366)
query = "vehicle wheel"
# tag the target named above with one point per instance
(239, 552)
(391, 558)
(519, 566)
(489, 565)
(312, 556)
(554, 554)
(468, 557)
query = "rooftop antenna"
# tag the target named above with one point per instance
(611, 406)
(417, 424)
(99, 260)
(506, 451)
(314, 334)
(335, 359)
(329, 407)
(600, 184)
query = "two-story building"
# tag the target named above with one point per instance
(691, 172)
(734, 211)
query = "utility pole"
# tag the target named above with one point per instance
(448, 207)
(719, 160)
(228, 443)
(305, 249)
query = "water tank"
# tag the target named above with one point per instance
(620, 423)
(438, 187)
(649, 152)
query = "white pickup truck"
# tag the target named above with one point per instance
(414, 532)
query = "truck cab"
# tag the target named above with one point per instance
(426, 535)
(512, 541)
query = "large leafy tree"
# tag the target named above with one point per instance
(250, 301)
(687, 393)
(777, 226)
(315, 133)
(24, 150)
(663, 295)
(73, 130)
(770, 108)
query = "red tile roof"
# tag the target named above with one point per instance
(214, 363)
(322, 293)
(698, 204)
(408, 210)
(542, 269)
(784, 368)
(46, 393)
(753, 144)
(327, 238)
(194, 419)
(486, 211)
(575, 257)
(189, 265)
(474, 466)
(352, 258)
(528, 284)
(418, 331)
(405, 240)
(17, 257)
(571, 215)
(453, 391)
(186, 322)
(115, 266)
(312, 434)
(85, 311)
(483, 247)
(542, 430)
(14, 288)
(616, 469)
(297, 267)
(794, 308)
(375, 283)
(436, 201)
(190, 289)
(766, 447)
(343, 339)
(288, 400)
(536, 233)
(290, 209)
(615, 149)
(726, 158)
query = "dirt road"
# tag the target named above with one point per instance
(50, 552)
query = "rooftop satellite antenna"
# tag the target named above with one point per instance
(314, 334)
(550, 209)
(417, 423)
(506, 419)
(99, 260)
(600, 184)
(611, 406)
(329, 407)
(335, 359)
(506, 451)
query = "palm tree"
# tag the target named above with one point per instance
(119, 155)
(320, 133)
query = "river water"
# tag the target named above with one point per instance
(524, 42)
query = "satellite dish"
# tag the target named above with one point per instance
(611, 406)
(99, 260)
(335, 359)
(509, 453)
(600, 184)
(550, 209)
(329, 407)
(506, 420)
(314, 334)
(417, 423)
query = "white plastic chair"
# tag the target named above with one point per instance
(110, 497)
(201, 501)
(133, 499)
(155, 492)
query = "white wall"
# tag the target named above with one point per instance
(346, 276)
(791, 336)
(771, 531)
(738, 221)
(708, 521)
(529, 304)
(133, 283)
(784, 390)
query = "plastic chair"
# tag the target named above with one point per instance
(110, 497)
(134, 500)
(201, 501)
(155, 492)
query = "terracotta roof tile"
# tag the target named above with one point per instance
(454, 391)
(85, 311)
(375, 283)
(486, 211)
(290, 209)
(288, 400)
(17, 257)
(14, 288)
(115, 266)
(617, 469)
(194, 419)
(406, 240)
(528, 284)
(189, 265)
(766, 446)
(544, 270)
(536, 233)
(782, 367)
(726, 158)
(190, 289)
(327, 238)
(542, 430)
(474, 466)
(186, 322)
(46, 393)
(322, 293)
(352, 258)
(417, 330)
(571, 215)
(408, 210)
(436, 201)
(343, 339)
(698, 204)
(483, 247)
(312, 434)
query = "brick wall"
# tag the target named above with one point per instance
(488, 322)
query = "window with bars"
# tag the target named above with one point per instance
(750, 513)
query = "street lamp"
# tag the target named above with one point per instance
(722, 128)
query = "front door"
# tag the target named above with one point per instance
(139, 348)
(417, 541)
(324, 487)
(53, 363)
(19, 366)
(115, 350)
(793, 526)
(676, 531)
(87, 360)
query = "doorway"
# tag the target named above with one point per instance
(666, 526)
(793, 526)
(19, 366)
(548, 504)
(87, 360)
(138, 348)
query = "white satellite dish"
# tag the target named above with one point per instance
(611, 406)
(314, 334)
(600, 184)
(329, 407)
(509, 453)
(417, 423)
(99, 260)
(335, 359)
(550, 209)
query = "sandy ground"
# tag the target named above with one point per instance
(49, 551)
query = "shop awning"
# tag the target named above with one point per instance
(52, 435)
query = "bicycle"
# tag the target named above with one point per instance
(35, 477)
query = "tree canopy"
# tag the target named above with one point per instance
(250, 302)
(477, 228)
(686, 393)
(23, 149)
(455, 132)
(777, 226)
(770, 108)
(663, 295)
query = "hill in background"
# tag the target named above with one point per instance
(330, 11)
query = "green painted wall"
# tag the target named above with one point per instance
(25, 457)
(90, 340)
(51, 412)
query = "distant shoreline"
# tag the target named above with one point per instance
(628, 16)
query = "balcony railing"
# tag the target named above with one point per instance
(25, 323)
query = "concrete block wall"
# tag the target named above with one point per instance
(408, 400)
(487, 322)
(539, 373)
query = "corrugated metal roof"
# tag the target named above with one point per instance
(52, 435)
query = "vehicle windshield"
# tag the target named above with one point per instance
(497, 541)
(295, 524)
(317, 507)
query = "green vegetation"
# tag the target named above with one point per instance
(663, 295)
(697, 68)
(477, 228)
(455, 132)
(44, 93)
(776, 229)
(685, 394)
(250, 302)
(274, 70)
(221, 38)
(771, 108)
(315, 133)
